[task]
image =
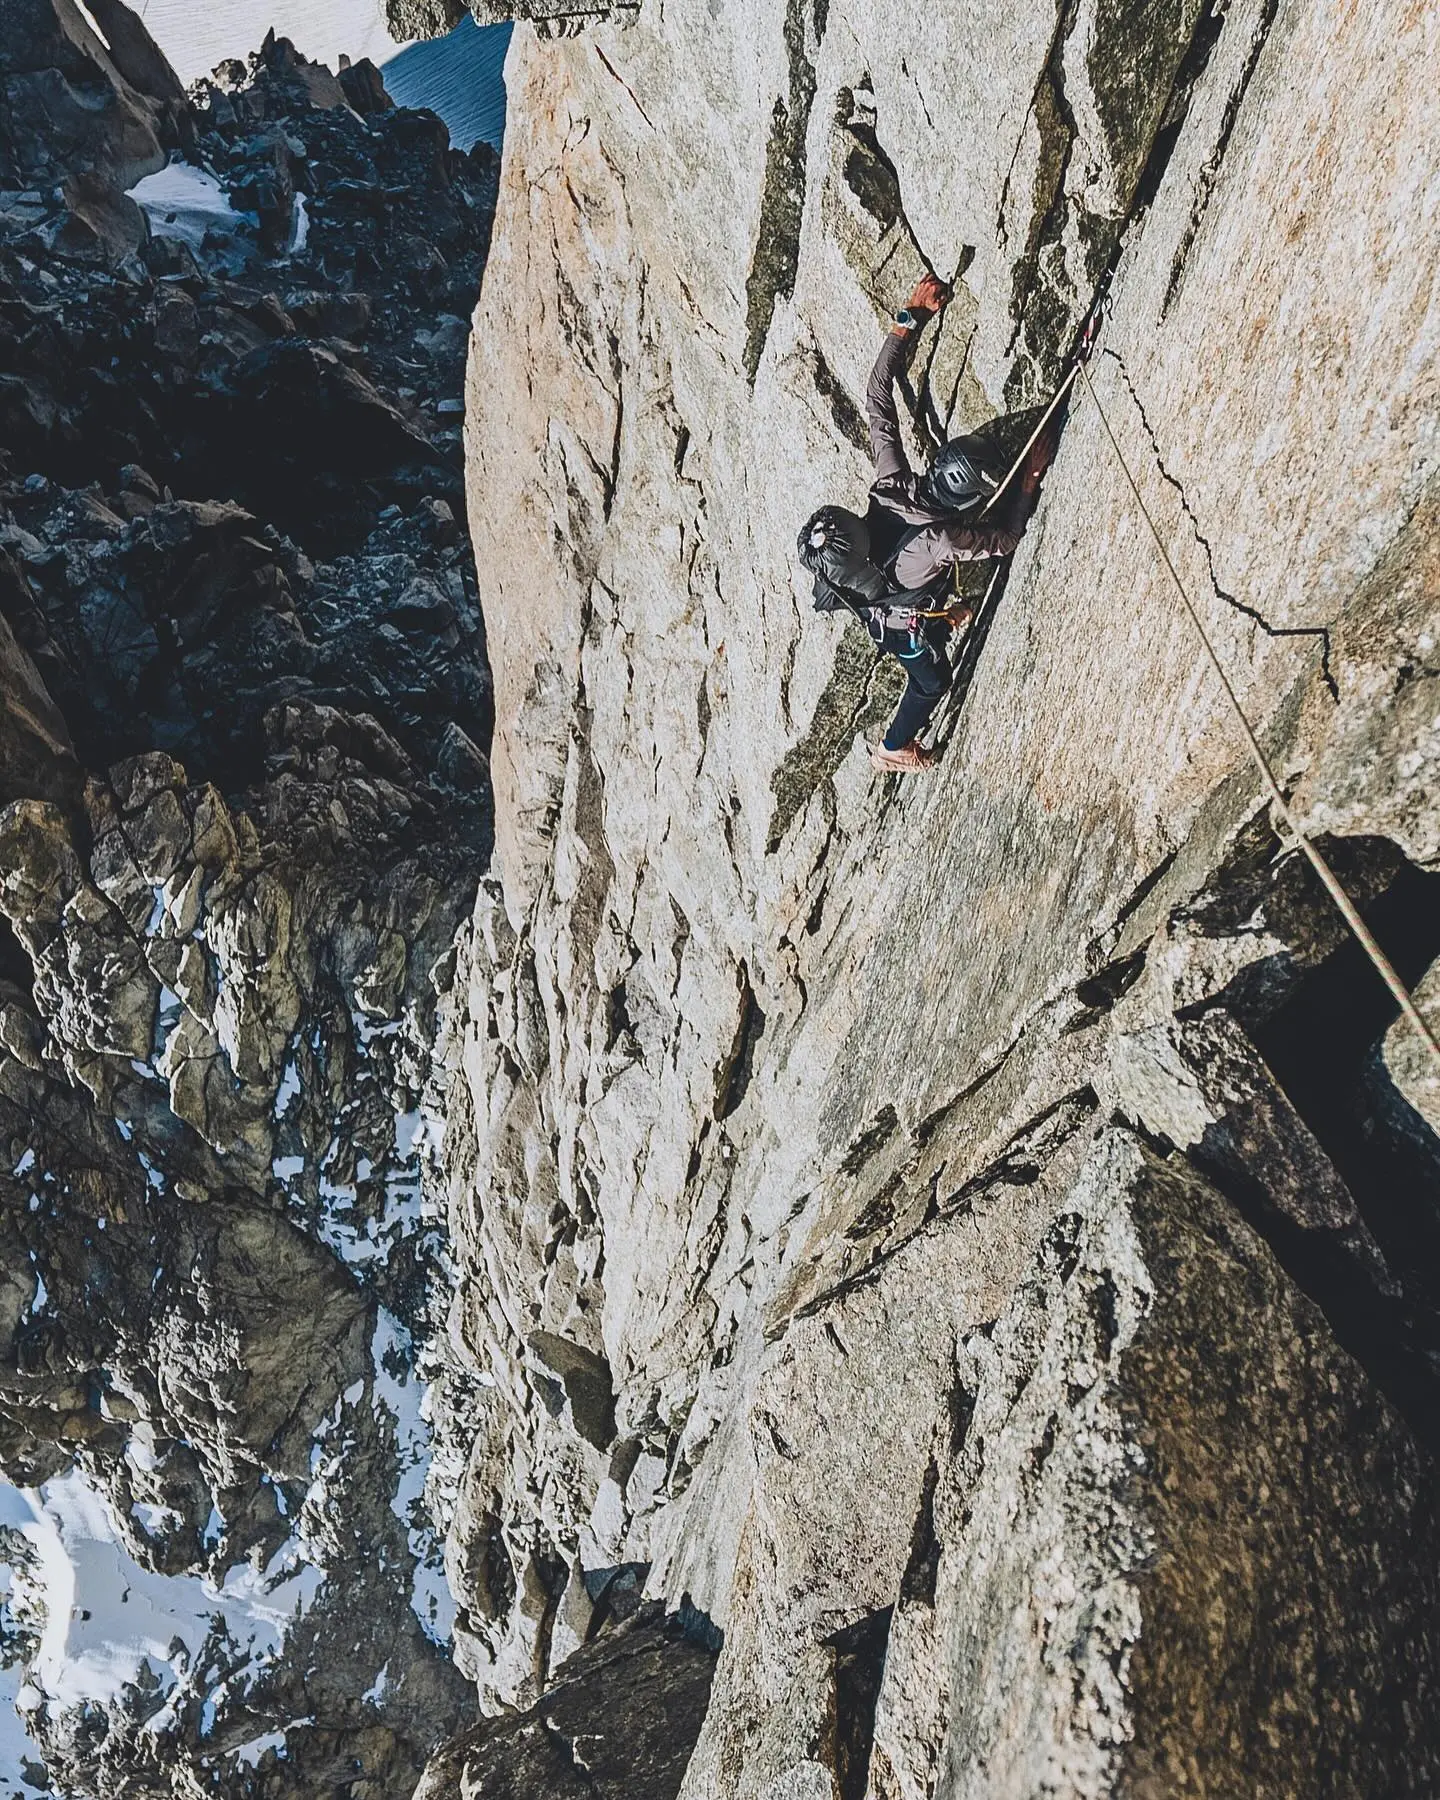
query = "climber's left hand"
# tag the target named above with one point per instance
(930, 296)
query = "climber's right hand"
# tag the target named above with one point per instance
(930, 296)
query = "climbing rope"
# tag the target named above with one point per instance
(1343, 902)
(1010, 474)
(1045, 417)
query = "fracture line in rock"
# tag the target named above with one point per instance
(1346, 906)
(1250, 612)
(623, 83)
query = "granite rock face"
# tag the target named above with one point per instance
(619, 1723)
(847, 1289)
(1107, 1595)
(973, 1239)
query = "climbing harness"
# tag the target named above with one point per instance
(1348, 911)
(855, 572)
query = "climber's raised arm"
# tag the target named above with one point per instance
(886, 447)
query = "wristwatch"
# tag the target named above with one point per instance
(906, 319)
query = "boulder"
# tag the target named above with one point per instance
(364, 87)
(621, 1720)
(70, 106)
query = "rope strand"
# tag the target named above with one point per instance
(1013, 470)
(1346, 906)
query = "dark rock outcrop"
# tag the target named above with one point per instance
(423, 18)
(243, 806)
(550, 18)
(36, 756)
(73, 103)
(619, 1724)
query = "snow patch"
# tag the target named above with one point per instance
(195, 38)
(141, 1455)
(368, 1029)
(289, 1088)
(167, 1016)
(399, 1389)
(93, 23)
(250, 1753)
(361, 1241)
(18, 1750)
(107, 1618)
(154, 1520)
(184, 202)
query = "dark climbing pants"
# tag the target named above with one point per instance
(929, 676)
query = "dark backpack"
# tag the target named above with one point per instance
(853, 559)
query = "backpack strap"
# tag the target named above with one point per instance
(914, 597)
(906, 538)
(881, 595)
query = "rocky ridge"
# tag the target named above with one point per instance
(973, 1240)
(243, 804)
(964, 1252)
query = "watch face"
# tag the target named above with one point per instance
(904, 316)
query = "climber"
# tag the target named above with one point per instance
(891, 567)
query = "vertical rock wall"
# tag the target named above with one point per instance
(961, 1235)
(943, 1278)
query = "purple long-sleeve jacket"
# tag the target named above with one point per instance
(944, 542)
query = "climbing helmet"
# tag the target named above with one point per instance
(958, 480)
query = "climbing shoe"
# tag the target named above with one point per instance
(909, 759)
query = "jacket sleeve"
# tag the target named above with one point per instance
(940, 546)
(886, 448)
(973, 543)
